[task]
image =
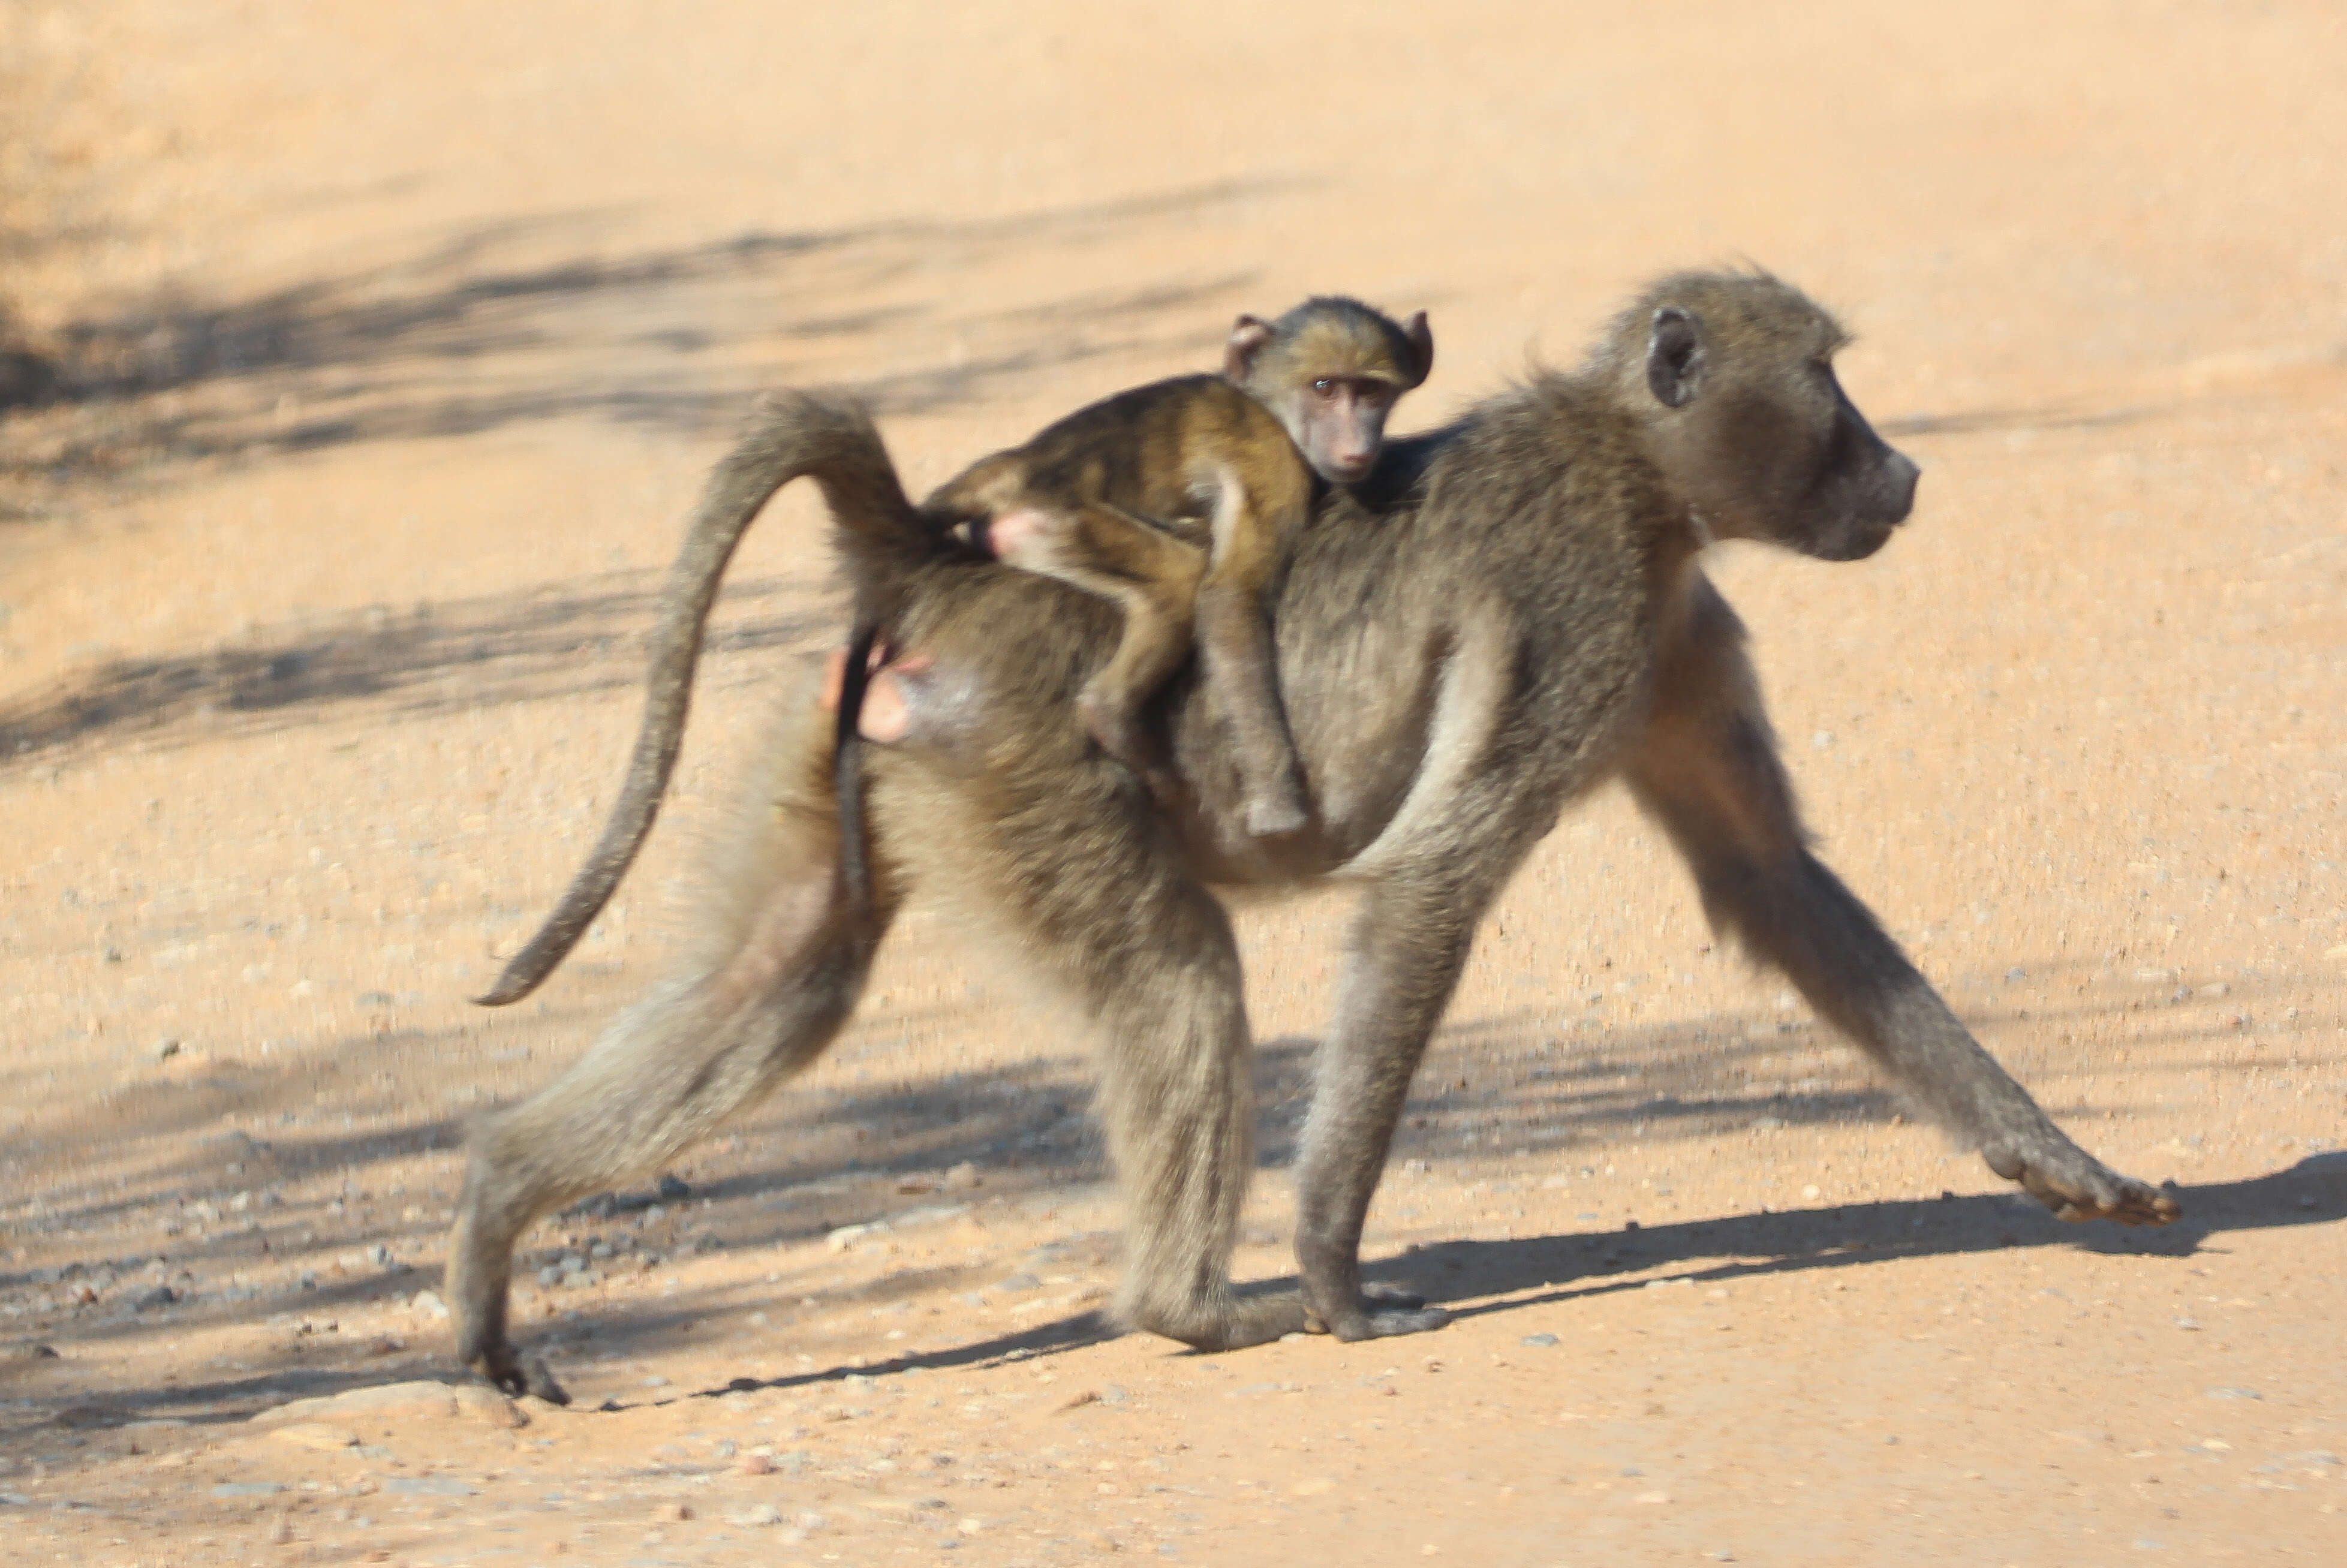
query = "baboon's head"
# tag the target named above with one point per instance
(1734, 373)
(1331, 369)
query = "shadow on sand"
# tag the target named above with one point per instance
(561, 639)
(531, 319)
(822, 1157)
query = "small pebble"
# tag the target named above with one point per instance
(758, 1464)
(673, 1513)
(1540, 1341)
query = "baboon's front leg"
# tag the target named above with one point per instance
(1708, 772)
(1402, 960)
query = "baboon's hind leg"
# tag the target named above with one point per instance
(661, 1075)
(1149, 575)
(1151, 954)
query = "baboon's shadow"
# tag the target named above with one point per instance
(1740, 1247)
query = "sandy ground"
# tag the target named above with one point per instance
(390, 344)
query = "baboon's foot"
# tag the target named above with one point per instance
(1380, 1312)
(509, 1372)
(2074, 1185)
(1226, 1324)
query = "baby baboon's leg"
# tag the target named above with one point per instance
(1237, 658)
(1708, 772)
(667, 1070)
(1402, 958)
(1153, 579)
(1150, 955)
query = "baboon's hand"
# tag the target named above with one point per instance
(2077, 1186)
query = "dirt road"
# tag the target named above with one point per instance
(388, 346)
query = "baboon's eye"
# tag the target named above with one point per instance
(1325, 386)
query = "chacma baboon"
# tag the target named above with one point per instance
(1319, 381)
(1513, 612)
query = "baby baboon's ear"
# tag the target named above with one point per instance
(1674, 357)
(1249, 334)
(1422, 342)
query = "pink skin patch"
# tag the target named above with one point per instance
(886, 715)
(1018, 534)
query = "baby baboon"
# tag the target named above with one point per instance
(1320, 381)
(1518, 614)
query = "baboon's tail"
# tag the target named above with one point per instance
(794, 435)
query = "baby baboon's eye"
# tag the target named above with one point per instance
(1326, 386)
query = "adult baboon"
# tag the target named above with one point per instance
(1515, 613)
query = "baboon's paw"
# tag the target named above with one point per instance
(511, 1373)
(1225, 1325)
(1377, 1321)
(2077, 1186)
(1382, 1312)
(536, 1379)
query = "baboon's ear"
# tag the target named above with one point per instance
(1249, 334)
(1422, 342)
(1674, 357)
